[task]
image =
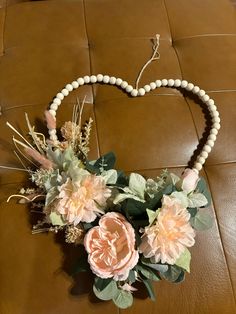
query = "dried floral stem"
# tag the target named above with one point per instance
(18, 133)
(25, 197)
(22, 154)
(13, 168)
(33, 135)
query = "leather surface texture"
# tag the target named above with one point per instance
(47, 44)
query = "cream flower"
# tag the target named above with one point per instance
(166, 239)
(83, 200)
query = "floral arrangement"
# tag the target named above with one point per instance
(132, 228)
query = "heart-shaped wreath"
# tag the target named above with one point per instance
(132, 228)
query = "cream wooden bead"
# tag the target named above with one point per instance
(196, 89)
(60, 96)
(216, 120)
(207, 148)
(212, 137)
(201, 93)
(189, 86)
(106, 79)
(124, 84)
(99, 77)
(134, 93)
(118, 81)
(112, 80)
(65, 92)
(177, 83)
(198, 166)
(75, 84)
(216, 126)
(57, 101)
(201, 160)
(141, 91)
(184, 84)
(212, 107)
(80, 80)
(164, 82)
(205, 98)
(215, 114)
(52, 112)
(93, 79)
(54, 106)
(210, 143)
(158, 83)
(129, 88)
(86, 79)
(204, 154)
(69, 87)
(171, 82)
(153, 85)
(147, 88)
(214, 131)
(210, 102)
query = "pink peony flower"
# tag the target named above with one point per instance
(166, 239)
(189, 180)
(111, 247)
(83, 200)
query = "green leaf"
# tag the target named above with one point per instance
(159, 267)
(106, 161)
(148, 273)
(202, 188)
(152, 215)
(107, 293)
(123, 299)
(110, 176)
(155, 202)
(123, 196)
(184, 260)
(202, 221)
(150, 290)
(192, 211)
(135, 208)
(182, 197)
(173, 274)
(197, 200)
(101, 283)
(56, 219)
(51, 195)
(132, 277)
(137, 184)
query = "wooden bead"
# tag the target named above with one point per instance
(129, 88)
(93, 79)
(147, 88)
(164, 82)
(184, 84)
(158, 83)
(106, 79)
(196, 89)
(198, 166)
(60, 96)
(177, 83)
(86, 79)
(112, 80)
(141, 91)
(210, 143)
(189, 86)
(80, 80)
(118, 81)
(75, 84)
(54, 106)
(99, 77)
(171, 82)
(134, 93)
(65, 92)
(207, 148)
(124, 84)
(69, 87)
(153, 85)
(204, 154)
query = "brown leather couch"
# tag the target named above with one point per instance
(46, 44)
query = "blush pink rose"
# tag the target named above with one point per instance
(189, 180)
(111, 247)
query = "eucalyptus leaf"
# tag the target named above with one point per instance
(184, 260)
(123, 196)
(135, 207)
(173, 273)
(182, 197)
(159, 267)
(132, 276)
(51, 195)
(192, 211)
(201, 221)
(155, 202)
(108, 293)
(148, 273)
(150, 290)
(137, 184)
(152, 215)
(56, 219)
(197, 200)
(123, 299)
(110, 176)
(202, 188)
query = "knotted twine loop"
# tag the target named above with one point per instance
(155, 56)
